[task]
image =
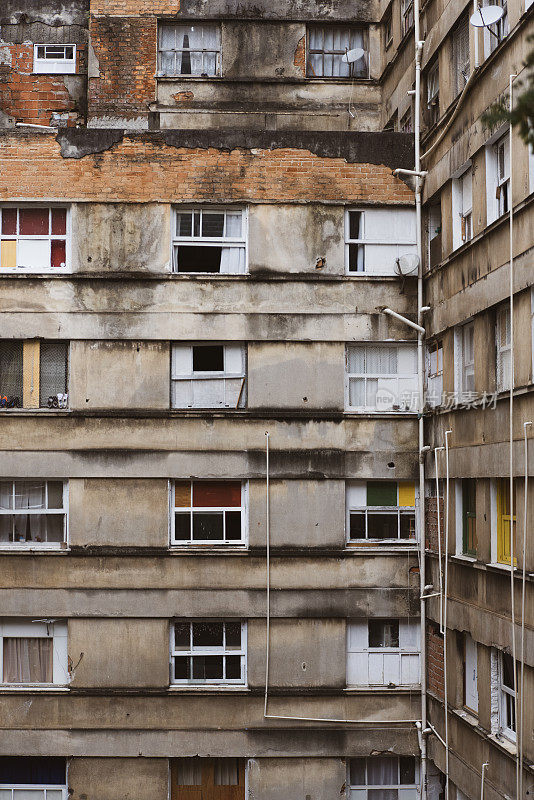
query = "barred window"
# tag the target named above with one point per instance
(33, 374)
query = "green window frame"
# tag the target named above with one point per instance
(469, 517)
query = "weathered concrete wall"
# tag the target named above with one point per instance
(280, 778)
(118, 778)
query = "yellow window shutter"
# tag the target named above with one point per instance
(8, 253)
(407, 493)
(30, 374)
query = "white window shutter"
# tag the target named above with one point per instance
(410, 669)
(34, 253)
(471, 673)
(358, 635)
(233, 359)
(182, 360)
(357, 669)
(409, 634)
(391, 672)
(356, 494)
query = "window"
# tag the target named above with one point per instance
(33, 374)
(54, 58)
(503, 348)
(383, 652)
(460, 56)
(464, 345)
(384, 778)
(406, 124)
(507, 693)
(33, 513)
(469, 517)
(210, 240)
(208, 376)
(34, 652)
(502, 151)
(494, 34)
(207, 779)
(434, 371)
(375, 238)
(34, 239)
(470, 674)
(380, 511)
(35, 777)
(208, 652)
(432, 94)
(326, 47)
(504, 520)
(462, 208)
(434, 235)
(209, 512)
(190, 50)
(388, 30)
(407, 18)
(382, 377)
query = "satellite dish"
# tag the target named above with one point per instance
(353, 55)
(488, 15)
(408, 264)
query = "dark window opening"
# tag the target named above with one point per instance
(199, 259)
(208, 358)
(33, 770)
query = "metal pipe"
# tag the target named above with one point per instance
(414, 325)
(268, 572)
(475, 9)
(484, 765)
(439, 540)
(446, 548)
(35, 125)
(523, 583)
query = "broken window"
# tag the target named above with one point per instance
(54, 59)
(208, 376)
(207, 779)
(384, 778)
(382, 377)
(35, 777)
(380, 511)
(503, 348)
(383, 652)
(375, 238)
(326, 47)
(469, 517)
(434, 372)
(34, 652)
(209, 512)
(33, 513)
(470, 674)
(208, 652)
(33, 374)
(190, 50)
(210, 240)
(33, 238)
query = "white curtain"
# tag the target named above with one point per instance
(27, 660)
(226, 772)
(232, 260)
(188, 772)
(30, 495)
(6, 503)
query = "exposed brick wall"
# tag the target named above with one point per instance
(124, 8)
(126, 51)
(299, 59)
(142, 167)
(36, 98)
(434, 660)
(431, 523)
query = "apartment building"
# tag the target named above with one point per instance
(209, 504)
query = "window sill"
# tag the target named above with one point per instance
(208, 549)
(383, 547)
(30, 271)
(461, 557)
(31, 549)
(265, 80)
(404, 689)
(508, 745)
(495, 565)
(47, 410)
(214, 688)
(34, 688)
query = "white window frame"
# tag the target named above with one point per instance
(351, 488)
(178, 376)
(397, 377)
(502, 375)
(357, 70)
(17, 237)
(34, 787)
(434, 373)
(389, 248)
(432, 92)
(470, 673)
(55, 65)
(38, 512)
(463, 366)
(506, 702)
(462, 208)
(192, 509)
(217, 52)
(223, 241)
(407, 16)
(495, 34)
(406, 791)
(368, 663)
(55, 629)
(209, 651)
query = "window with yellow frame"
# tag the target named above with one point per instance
(504, 520)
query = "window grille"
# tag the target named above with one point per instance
(382, 377)
(35, 777)
(208, 652)
(382, 652)
(33, 653)
(495, 34)
(326, 47)
(190, 50)
(460, 55)
(52, 372)
(33, 374)
(11, 374)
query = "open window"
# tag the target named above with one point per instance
(189, 50)
(434, 373)
(464, 355)
(504, 521)
(207, 779)
(375, 238)
(432, 94)
(208, 375)
(209, 512)
(462, 208)
(208, 652)
(507, 695)
(34, 653)
(34, 239)
(211, 240)
(469, 516)
(33, 374)
(503, 348)
(33, 514)
(327, 44)
(380, 511)
(33, 778)
(470, 674)
(497, 178)
(381, 377)
(384, 778)
(383, 652)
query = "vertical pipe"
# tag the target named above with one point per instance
(268, 571)
(484, 765)
(446, 548)
(511, 434)
(523, 580)
(475, 9)
(439, 541)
